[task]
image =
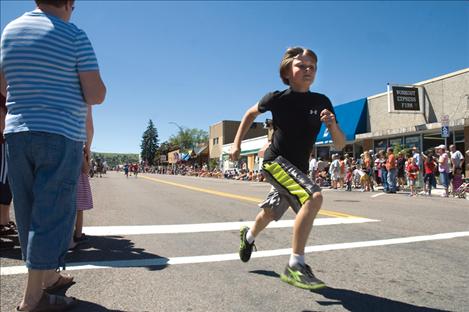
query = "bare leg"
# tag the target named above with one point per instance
(4, 214)
(262, 220)
(79, 224)
(304, 223)
(33, 292)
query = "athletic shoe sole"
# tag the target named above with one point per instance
(295, 283)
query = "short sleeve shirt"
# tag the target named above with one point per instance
(41, 57)
(457, 158)
(391, 162)
(443, 163)
(296, 122)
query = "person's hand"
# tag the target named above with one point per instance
(234, 153)
(327, 117)
(85, 167)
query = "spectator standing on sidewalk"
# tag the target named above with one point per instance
(84, 196)
(383, 171)
(334, 171)
(322, 164)
(44, 132)
(313, 168)
(412, 171)
(348, 179)
(429, 173)
(457, 158)
(401, 170)
(392, 170)
(419, 162)
(7, 227)
(443, 168)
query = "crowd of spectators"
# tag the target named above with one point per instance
(412, 171)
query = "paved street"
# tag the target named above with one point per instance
(169, 243)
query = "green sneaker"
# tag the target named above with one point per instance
(245, 249)
(301, 276)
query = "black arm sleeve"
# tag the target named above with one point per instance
(265, 104)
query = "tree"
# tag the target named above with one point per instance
(163, 149)
(149, 143)
(186, 139)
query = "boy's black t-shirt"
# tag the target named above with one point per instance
(296, 121)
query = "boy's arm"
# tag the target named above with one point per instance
(337, 135)
(246, 123)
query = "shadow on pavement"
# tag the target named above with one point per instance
(356, 301)
(112, 251)
(115, 251)
(86, 306)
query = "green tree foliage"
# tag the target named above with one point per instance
(186, 139)
(149, 144)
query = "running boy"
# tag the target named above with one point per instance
(297, 115)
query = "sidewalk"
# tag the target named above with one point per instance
(435, 191)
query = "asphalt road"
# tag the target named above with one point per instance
(169, 243)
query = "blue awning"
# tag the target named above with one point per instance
(352, 121)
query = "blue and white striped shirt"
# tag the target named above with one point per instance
(41, 56)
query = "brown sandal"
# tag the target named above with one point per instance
(62, 282)
(53, 303)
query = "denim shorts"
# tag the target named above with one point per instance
(290, 187)
(43, 170)
(444, 179)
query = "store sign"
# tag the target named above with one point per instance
(445, 132)
(405, 98)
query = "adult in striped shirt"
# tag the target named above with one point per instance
(49, 74)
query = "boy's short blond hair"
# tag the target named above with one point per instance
(288, 57)
(56, 3)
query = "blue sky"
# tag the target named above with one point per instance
(198, 62)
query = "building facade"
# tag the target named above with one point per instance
(437, 113)
(224, 132)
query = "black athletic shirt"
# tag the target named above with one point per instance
(296, 121)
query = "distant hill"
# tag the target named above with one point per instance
(114, 159)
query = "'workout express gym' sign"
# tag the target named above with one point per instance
(406, 98)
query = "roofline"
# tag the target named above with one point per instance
(424, 82)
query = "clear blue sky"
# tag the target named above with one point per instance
(196, 63)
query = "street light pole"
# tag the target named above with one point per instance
(177, 125)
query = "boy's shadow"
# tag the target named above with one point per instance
(356, 301)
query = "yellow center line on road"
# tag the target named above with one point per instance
(240, 197)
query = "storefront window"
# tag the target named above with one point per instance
(459, 140)
(432, 140)
(380, 145)
(395, 142)
(459, 136)
(348, 149)
(323, 152)
(358, 151)
(412, 141)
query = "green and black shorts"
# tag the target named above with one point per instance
(290, 187)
